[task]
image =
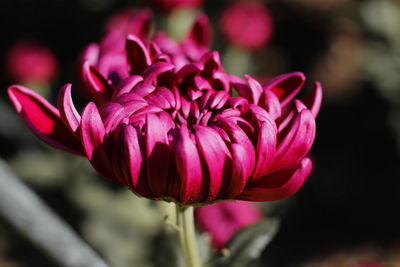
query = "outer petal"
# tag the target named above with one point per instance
(296, 140)
(265, 150)
(243, 158)
(200, 33)
(67, 109)
(314, 99)
(286, 86)
(189, 167)
(134, 163)
(43, 119)
(96, 84)
(138, 55)
(278, 185)
(157, 155)
(93, 137)
(216, 156)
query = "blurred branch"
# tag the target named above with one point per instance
(31, 216)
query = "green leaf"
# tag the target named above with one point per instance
(247, 244)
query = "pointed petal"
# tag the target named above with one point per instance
(93, 137)
(189, 167)
(270, 102)
(314, 99)
(286, 86)
(200, 33)
(157, 155)
(216, 155)
(43, 119)
(90, 54)
(151, 73)
(95, 83)
(296, 140)
(68, 112)
(279, 185)
(255, 88)
(138, 55)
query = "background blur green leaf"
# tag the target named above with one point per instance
(247, 244)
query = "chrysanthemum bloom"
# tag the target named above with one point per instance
(30, 62)
(175, 132)
(227, 218)
(247, 24)
(169, 5)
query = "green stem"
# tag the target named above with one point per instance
(187, 236)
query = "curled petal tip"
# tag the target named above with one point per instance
(43, 119)
(313, 100)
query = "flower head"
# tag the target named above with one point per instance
(30, 62)
(227, 218)
(168, 127)
(247, 24)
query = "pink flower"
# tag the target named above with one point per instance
(247, 24)
(227, 219)
(169, 5)
(174, 131)
(31, 62)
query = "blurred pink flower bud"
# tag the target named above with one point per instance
(169, 5)
(30, 62)
(222, 220)
(247, 24)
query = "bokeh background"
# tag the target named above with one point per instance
(345, 214)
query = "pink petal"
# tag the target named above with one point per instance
(189, 167)
(68, 112)
(286, 86)
(90, 54)
(314, 99)
(270, 102)
(137, 53)
(296, 140)
(265, 149)
(133, 164)
(95, 83)
(243, 158)
(93, 137)
(110, 114)
(279, 185)
(216, 156)
(127, 85)
(241, 87)
(200, 33)
(117, 148)
(43, 119)
(255, 88)
(151, 74)
(157, 155)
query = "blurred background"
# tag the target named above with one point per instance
(344, 215)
